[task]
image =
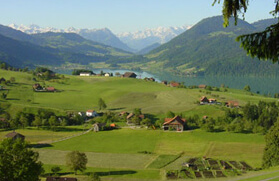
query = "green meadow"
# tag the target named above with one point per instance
(130, 154)
(122, 149)
(82, 93)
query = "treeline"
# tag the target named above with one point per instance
(41, 118)
(252, 118)
(78, 71)
(6, 66)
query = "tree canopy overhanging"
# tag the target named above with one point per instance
(263, 45)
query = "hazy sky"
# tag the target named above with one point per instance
(118, 15)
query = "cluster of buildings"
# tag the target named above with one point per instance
(38, 88)
(126, 74)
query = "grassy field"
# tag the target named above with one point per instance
(131, 143)
(122, 150)
(82, 93)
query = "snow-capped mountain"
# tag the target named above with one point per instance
(141, 39)
(104, 36)
(129, 41)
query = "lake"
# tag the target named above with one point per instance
(264, 85)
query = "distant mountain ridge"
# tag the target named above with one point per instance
(20, 49)
(128, 41)
(141, 39)
(210, 49)
(104, 36)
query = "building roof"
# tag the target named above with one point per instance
(204, 99)
(202, 86)
(112, 125)
(130, 115)
(129, 74)
(90, 111)
(60, 179)
(175, 120)
(212, 100)
(174, 84)
(50, 89)
(14, 135)
(232, 103)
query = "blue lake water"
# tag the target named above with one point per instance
(264, 85)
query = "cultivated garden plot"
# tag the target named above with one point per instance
(196, 168)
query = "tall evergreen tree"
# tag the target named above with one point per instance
(271, 151)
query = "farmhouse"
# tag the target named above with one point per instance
(91, 113)
(149, 79)
(164, 82)
(174, 84)
(14, 135)
(212, 101)
(37, 87)
(131, 115)
(129, 75)
(60, 179)
(107, 75)
(176, 123)
(98, 126)
(202, 86)
(50, 89)
(232, 104)
(204, 100)
(85, 74)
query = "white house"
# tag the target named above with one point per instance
(85, 74)
(107, 75)
(91, 113)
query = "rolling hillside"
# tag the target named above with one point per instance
(209, 49)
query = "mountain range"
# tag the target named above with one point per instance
(128, 41)
(210, 49)
(207, 48)
(21, 49)
(142, 39)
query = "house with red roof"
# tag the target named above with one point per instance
(50, 89)
(174, 84)
(176, 124)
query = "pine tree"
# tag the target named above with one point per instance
(271, 151)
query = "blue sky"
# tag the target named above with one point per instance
(118, 15)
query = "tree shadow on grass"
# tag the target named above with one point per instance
(41, 145)
(57, 175)
(64, 129)
(116, 109)
(120, 172)
(12, 99)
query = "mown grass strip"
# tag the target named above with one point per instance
(163, 160)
